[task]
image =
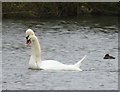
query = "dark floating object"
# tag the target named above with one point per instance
(107, 56)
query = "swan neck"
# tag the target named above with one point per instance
(35, 49)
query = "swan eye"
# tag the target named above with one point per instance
(27, 37)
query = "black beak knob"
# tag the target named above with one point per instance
(27, 37)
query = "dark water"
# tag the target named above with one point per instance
(65, 40)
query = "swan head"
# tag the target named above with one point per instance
(29, 33)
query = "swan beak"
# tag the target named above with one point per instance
(28, 42)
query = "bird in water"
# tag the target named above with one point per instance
(35, 61)
(107, 56)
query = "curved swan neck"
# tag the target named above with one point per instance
(35, 47)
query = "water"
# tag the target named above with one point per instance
(65, 40)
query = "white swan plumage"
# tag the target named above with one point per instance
(35, 61)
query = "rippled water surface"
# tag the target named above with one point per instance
(65, 40)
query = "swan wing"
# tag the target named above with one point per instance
(51, 64)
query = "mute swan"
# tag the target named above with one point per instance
(35, 59)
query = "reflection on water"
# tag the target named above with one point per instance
(65, 40)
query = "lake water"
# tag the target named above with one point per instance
(67, 41)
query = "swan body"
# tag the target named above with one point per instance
(35, 59)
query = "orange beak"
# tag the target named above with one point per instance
(28, 42)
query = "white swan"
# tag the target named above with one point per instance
(35, 59)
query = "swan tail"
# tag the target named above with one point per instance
(79, 62)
